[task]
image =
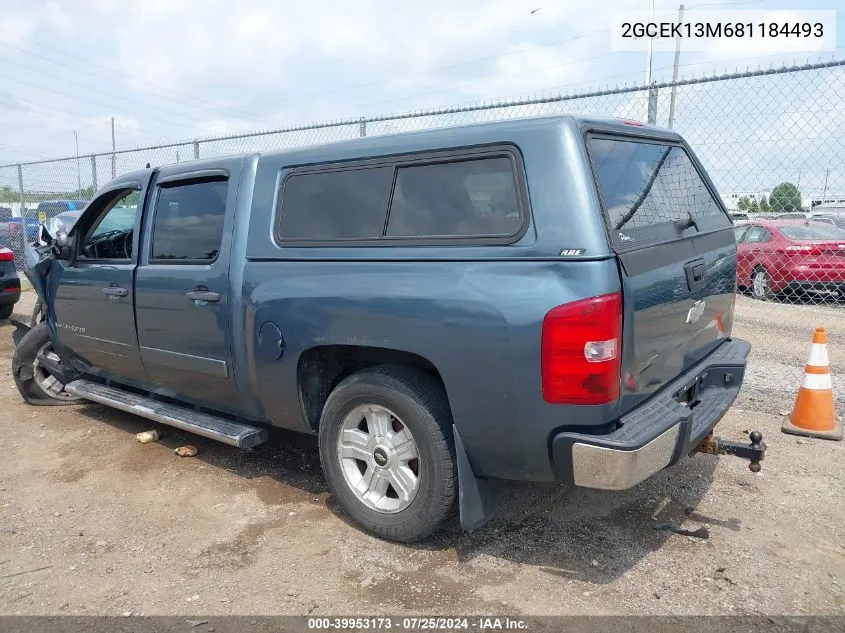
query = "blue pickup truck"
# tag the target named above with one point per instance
(545, 299)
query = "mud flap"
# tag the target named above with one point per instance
(476, 496)
(20, 331)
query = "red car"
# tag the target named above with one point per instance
(790, 256)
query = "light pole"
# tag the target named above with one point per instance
(650, 42)
(675, 69)
(78, 174)
(824, 193)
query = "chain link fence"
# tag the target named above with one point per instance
(773, 141)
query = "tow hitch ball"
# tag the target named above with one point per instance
(754, 452)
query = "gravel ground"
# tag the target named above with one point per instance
(92, 522)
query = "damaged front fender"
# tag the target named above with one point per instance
(39, 257)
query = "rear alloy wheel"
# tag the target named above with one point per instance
(387, 451)
(761, 287)
(379, 458)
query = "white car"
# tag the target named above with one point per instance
(64, 220)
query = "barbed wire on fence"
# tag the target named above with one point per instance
(772, 139)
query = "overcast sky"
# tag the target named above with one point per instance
(170, 69)
(173, 70)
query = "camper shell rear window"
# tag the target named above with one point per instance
(651, 191)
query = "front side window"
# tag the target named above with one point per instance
(110, 236)
(756, 235)
(466, 198)
(188, 221)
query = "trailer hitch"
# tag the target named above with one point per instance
(754, 452)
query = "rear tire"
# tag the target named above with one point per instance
(366, 417)
(34, 382)
(6, 310)
(761, 285)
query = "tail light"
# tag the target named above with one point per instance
(580, 349)
(6, 255)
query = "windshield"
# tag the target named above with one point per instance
(118, 219)
(813, 232)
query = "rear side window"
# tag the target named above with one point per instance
(188, 221)
(336, 205)
(646, 184)
(469, 198)
(813, 232)
(421, 199)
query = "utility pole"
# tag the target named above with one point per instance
(675, 69)
(78, 170)
(824, 193)
(650, 42)
(112, 149)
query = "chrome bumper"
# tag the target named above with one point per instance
(658, 432)
(611, 469)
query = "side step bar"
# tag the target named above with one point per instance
(210, 426)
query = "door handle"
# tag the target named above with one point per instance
(695, 273)
(203, 295)
(115, 291)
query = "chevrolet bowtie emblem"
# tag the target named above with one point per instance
(695, 312)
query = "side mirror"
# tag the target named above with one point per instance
(62, 244)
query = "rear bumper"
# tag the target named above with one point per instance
(795, 275)
(657, 433)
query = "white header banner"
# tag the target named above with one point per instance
(755, 33)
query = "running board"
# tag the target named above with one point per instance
(210, 426)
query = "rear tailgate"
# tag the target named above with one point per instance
(676, 251)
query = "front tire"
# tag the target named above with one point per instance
(388, 453)
(34, 382)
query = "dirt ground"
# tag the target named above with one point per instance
(93, 522)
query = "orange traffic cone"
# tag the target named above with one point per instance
(814, 414)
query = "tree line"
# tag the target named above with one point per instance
(785, 198)
(8, 194)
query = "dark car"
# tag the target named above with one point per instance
(788, 256)
(10, 283)
(545, 299)
(51, 208)
(9, 227)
